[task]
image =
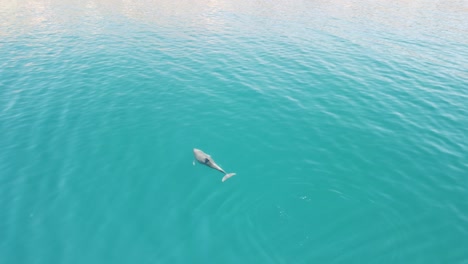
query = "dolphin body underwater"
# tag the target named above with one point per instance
(206, 159)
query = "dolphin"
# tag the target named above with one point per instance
(206, 159)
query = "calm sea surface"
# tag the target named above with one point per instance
(345, 121)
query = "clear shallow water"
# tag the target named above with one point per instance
(345, 122)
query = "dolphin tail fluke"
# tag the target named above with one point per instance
(227, 176)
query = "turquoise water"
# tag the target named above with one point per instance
(345, 121)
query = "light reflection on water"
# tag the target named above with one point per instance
(345, 121)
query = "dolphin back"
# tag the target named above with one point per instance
(206, 159)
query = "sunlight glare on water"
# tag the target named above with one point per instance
(345, 121)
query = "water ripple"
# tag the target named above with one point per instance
(346, 126)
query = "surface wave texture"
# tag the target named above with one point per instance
(345, 121)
